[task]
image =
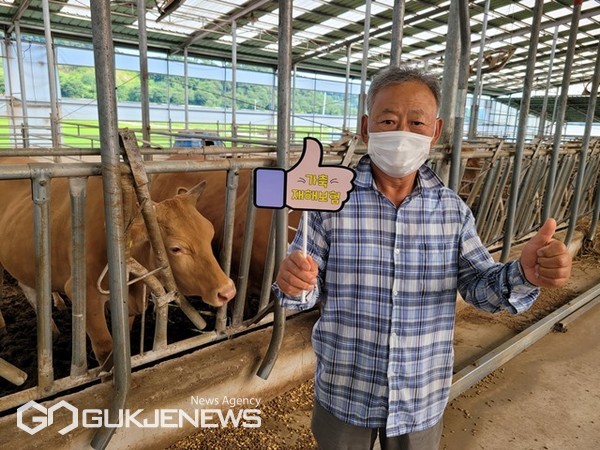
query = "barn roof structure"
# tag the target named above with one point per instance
(328, 33)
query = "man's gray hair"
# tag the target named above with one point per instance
(395, 75)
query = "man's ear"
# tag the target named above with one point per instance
(439, 123)
(364, 128)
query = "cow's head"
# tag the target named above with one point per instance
(187, 236)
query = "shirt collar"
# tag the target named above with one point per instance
(426, 178)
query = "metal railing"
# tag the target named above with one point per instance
(73, 134)
(487, 172)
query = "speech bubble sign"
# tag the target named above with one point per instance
(308, 185)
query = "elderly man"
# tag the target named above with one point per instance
(386, 269)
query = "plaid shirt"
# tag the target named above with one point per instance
(387, 279)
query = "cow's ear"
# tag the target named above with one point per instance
(195, 191)
(136, 233)
(181, 190)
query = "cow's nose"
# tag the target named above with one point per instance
(227, 293)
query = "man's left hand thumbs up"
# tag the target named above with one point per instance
(546, 261)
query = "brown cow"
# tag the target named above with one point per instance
(186, 234)
(212, 206)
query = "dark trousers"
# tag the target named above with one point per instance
(334, 434)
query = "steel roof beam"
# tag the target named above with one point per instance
(202, 33)
(17, 16)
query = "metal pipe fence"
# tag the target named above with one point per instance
(161, 135)
(485, 188)
(78, 173)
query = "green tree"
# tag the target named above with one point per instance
(77, 82)
(177, 90)
(157, 88)
(207, 93)
(128, 86)
(252, 96)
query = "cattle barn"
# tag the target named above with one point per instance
(136, 264)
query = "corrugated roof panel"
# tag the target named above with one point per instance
(559, 13)
(324, 28)
(76, 8)
(304, 6)
(211, 10)
(507, 10)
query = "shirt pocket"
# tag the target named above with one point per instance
(427, 286)
(434, 263)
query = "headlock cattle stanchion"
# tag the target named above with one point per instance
(245, 259)
(77, 193)
(488, 167)
(41, 233)
(140, 178)
(225, 257)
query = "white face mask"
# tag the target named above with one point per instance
(398, 153)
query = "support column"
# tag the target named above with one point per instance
(397, 28)
(347, 87)
(186, 90)
(9, 87)
(234, 82)
(461, 98)
(363, 71)
(104, 62)
(585, 144)
(541, 130)
(22, 84)
(449, 86)
(561, 110)
(522, 130)
(478, 78)
(293, 107)
(54, 119)
(144, 92)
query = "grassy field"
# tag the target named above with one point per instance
(85, 133)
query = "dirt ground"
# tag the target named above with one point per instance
(286, 419)
(19, 341)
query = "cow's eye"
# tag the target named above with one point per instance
(175, 249)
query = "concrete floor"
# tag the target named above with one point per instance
(548, 397)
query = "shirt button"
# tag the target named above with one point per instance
(394, 293)
(396, 251)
